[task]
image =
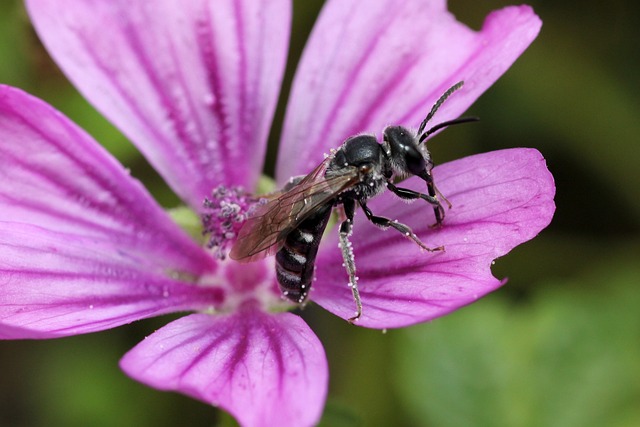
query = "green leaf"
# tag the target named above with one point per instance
(188, 220)
(14, 42)
(569, 357)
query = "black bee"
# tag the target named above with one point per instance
(291, 223)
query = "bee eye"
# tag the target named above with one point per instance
(414, 160)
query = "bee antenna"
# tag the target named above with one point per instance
(437, 105)
(448, 123)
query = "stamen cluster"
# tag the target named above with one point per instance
(225, 212)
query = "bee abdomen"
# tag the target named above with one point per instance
(295, 261)
(291, 260)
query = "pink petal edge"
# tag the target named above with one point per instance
(193, 84)
(368, 66)
(83, 246)
(266, 370)
(500, 200)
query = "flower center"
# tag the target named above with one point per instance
(224, 213)
(246, 284)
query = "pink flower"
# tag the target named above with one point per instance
(83, 246)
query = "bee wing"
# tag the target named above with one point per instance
(263, 233)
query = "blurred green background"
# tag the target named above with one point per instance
(559, 345)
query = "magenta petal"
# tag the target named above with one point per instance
(500, 200)
(54, 285)
(74, 224)
(193, 84)
(371, 64)
(266, 370)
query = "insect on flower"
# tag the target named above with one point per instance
(291, 223)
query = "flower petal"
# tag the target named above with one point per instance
(74, 224)
(193, 84)
(266, 370)
(60, 284)
(371, 64)
(500, 200)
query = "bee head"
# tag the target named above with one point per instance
(407, 156)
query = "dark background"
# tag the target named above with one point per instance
(559, 345)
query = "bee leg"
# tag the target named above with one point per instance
(384, 222)
(433, 193)
(405, 193)
(347, 255)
